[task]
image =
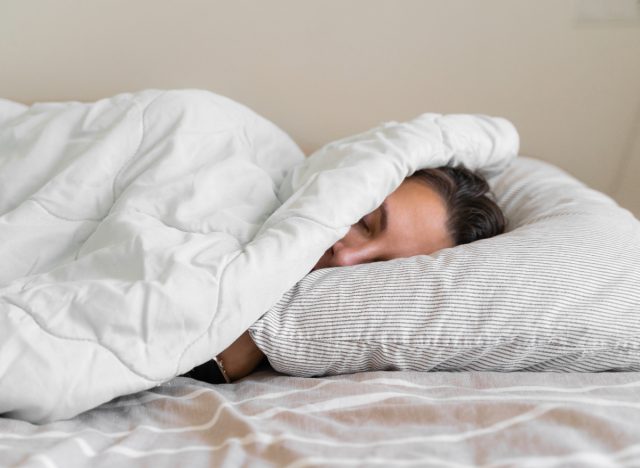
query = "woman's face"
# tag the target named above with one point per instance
(411, 221)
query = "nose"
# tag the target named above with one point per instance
(352, 249)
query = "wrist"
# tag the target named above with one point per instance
(240, 358)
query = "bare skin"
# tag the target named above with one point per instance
(411, 221)
(241, 357)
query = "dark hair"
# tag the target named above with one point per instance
(472, 212)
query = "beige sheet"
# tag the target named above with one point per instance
(368, 419)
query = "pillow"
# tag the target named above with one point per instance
(558, 291)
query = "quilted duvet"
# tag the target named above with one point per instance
(143, 233)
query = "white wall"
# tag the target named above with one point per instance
(326, 69)
(626, 186)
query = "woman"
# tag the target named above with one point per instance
(431, 210)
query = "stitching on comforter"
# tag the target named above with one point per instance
(135, 153)
(96, 342)
(56, 215)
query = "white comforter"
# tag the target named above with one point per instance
(142, 234)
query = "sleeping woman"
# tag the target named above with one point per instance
(431, 210)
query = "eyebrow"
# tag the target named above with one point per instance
(383, 216)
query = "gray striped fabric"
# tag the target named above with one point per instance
(559, 291)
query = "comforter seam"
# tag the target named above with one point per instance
(134, 154)
(63, 218)
(96, 342)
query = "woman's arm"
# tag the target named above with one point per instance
(241, 357)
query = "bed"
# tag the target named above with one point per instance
(466, 411)
(455, 419)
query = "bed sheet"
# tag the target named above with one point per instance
(452, 419)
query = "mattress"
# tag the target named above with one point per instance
(453, 419)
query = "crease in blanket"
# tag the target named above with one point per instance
(235, 215)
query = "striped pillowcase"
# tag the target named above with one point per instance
(558, 291)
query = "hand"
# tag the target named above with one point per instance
(241, 357)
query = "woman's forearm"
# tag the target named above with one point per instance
(241, 357)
